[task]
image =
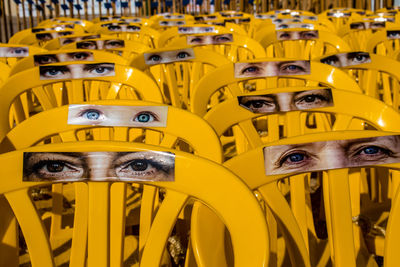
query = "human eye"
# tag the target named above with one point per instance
(52, 166)
(133, 28)
(393, 34)
(114, 28)
(308, 35)
(282, 26)
(68, 41)
(208, 29)
(291, 68)
(154, 58)
(145, 117)
(295, 159)
(196, 40)
(54, 72)
(93, 115)
(359, 58)
(151, 166)
(64, 33)
(87, 45)
(79, 56)
(221, 38)
(163, 22)
(46, 59)
(114, 44)
(97, 70)
(333, 61)
(180, 23)
(284, 36)
(312, 99)
(251, 70)
(370, 153)
(182, 55)
(259, 104)
(17, 52)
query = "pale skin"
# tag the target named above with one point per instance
(332, 155)
(272, 68)
(347, 59)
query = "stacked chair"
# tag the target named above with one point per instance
(224, 139)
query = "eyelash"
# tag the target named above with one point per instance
(306, 157)
(45, 71)
(150, 164)
(251, 69)
(153, 117)
(85, 114)
(287, 66)
(92, 68)
(315, 96)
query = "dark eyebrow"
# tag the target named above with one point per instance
(354, 54)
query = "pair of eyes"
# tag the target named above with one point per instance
(280, 20)
(168, 23)
(354, 59)
(118, 28)
(216, 39)
(300, 158)
(269, 104)
(157, 58)
(48, 59)
(132, 168)
(17, 51)
(95, 115)
(284, 69)
(303, 35)
(189, 29)
(63, 71)
(107, 44)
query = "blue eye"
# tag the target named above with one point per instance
(371, 150)
(145, 117)
(92, 115)
(296, 157)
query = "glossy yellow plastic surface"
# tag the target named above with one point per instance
(194, 177)
(128, 83)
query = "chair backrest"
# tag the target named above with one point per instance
(384, 42)
(224, 77)
(26, 94)
(11, 53)
(194, 177)
(178, 76)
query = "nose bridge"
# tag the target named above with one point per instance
(285, 101)
(99, 164)
(333, 156)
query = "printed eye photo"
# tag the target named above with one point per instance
(14, 51)
(297, 35)
(127, 116)
(69, 40)
(168, 56)
(262, 16)
(367, 25)
(272, 68)
(195, 30)
(347, 59)
(169, 16)
(393, 34)
(56, 28)
(293, 26)
(287, 101)
(334, 154)
(76, 71)
(62, 57)
(52, 35)
(123, 27)
(338, 14)
(98, 166)
(172, 23)
(101, 44)
(286, 21)
(209, 39)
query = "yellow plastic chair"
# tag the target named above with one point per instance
(241, 48)
(239, 209)
(327, 42)
(30, 96)
(380, 44)
(370, 111)
(224, 78)
(14, 55)
(32, 38)
(378, 77)
(74, 55)
(337, 194)
(177, 79)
